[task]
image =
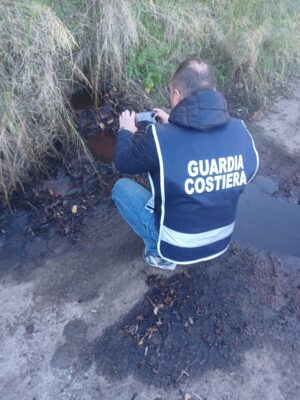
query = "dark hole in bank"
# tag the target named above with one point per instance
(97, 124)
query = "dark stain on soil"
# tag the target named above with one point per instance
(76, 351)
(204, 318)
(185, 325)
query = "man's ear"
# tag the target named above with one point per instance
(177, 96)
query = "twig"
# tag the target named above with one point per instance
(198, 397)
(31, 205)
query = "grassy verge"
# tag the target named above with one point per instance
(253, 44)
(36, 67)
(45, 44)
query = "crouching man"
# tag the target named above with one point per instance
(199, 160)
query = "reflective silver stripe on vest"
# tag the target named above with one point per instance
(191, 240)
(150, 205)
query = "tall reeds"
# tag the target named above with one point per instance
(36, 66)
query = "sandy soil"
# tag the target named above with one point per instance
(91, 321)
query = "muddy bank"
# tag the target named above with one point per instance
(59, 200)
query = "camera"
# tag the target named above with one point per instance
(145, 118)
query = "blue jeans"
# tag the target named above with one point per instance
(131, 198)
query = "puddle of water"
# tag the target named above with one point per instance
(266, 222)
(95, 124)
(102, 146)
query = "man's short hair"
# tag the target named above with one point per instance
(193, 75)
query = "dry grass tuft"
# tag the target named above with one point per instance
(260, 43)
(35, 69)
(108, 35)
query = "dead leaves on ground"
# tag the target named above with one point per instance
(144, 334)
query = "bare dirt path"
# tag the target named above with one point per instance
(92, 321)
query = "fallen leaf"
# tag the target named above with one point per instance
(102, 126)
(162, 282)
(187, 396)
(112, 102)
(258, 115)
(168, 300)
(66, 230)
(157, 308)
(74, 209)
(109, 122)
(29, 329)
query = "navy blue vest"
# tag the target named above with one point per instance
(202, 174)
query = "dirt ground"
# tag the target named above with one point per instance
(87, 319)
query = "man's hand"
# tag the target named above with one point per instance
(161, 115)
(127, 121)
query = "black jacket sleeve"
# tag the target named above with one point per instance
(135, 155)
